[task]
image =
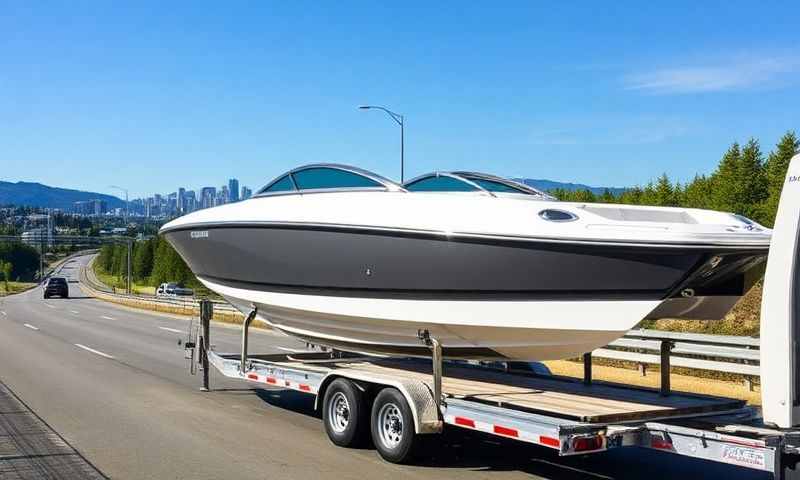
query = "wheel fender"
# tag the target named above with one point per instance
(418, 395)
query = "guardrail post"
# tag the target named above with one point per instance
(206, 313)
(748, 383)
(587, 368)
(666, 348)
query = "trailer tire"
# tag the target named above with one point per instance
(392, 426)
(344, 412)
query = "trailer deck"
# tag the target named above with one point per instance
(599, 402)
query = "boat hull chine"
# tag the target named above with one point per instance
(520, 330)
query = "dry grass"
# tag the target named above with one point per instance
(15, 287)
(683, 383)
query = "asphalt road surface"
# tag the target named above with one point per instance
(114, 384)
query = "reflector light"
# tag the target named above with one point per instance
(583, 444)
(660, 443)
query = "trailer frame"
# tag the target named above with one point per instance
(736, 437)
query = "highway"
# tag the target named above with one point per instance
(113, 382)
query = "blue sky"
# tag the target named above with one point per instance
(153, 97)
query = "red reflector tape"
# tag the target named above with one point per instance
(271, 380)
(510, 432)
(549, 441)
(464, 422)
(305, 388)
(252, 376)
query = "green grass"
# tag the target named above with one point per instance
(15, 287)
(120, 283)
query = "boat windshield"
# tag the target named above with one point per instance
(325, 177)
(437, 183)
(470, 182)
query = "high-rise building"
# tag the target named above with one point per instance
(246, 193)
(223, 196)
(207, 197)
(90, 207)
(233, 189)
(181, 201)
(190, 202)
(171, 204)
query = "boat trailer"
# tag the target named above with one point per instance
(413, 397)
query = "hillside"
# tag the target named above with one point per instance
(547, 185)
(38, 195)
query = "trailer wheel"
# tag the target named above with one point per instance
(393, 426)
(343, 413)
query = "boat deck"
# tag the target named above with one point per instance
(600, 402)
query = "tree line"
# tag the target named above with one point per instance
(153, 262)
(746, 182)
(18, 261)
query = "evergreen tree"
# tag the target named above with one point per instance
(648, 196)
(751, 182)
(697, 193)
(608, 197)
(143, 259)
(631, 196)
(724, 180)
(664, 193)
(776, 166)
(584, 195)
(105, 259)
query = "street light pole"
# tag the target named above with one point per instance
(400, 121)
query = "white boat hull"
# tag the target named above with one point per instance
(513, 329)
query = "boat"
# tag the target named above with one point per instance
(494, 269)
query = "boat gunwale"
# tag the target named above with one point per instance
(744, 247)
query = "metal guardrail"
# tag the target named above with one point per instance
(716, 353)
(183, 305)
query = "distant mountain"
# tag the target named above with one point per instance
(552, 185)
(38, 195)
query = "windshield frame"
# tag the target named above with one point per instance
(385, 185)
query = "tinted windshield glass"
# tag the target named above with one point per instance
(56, 281)
(440, 184)
(283, 185)
(493, 186)
(315, 178)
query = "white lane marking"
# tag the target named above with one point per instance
(173, 330)
(4, 313)
(74, 312)
(31, 326)
(96, 352)
(48, 305)
(106, 317)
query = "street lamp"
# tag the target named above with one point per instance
(400, 121)
(125, 191)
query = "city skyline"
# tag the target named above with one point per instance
(183, 200)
